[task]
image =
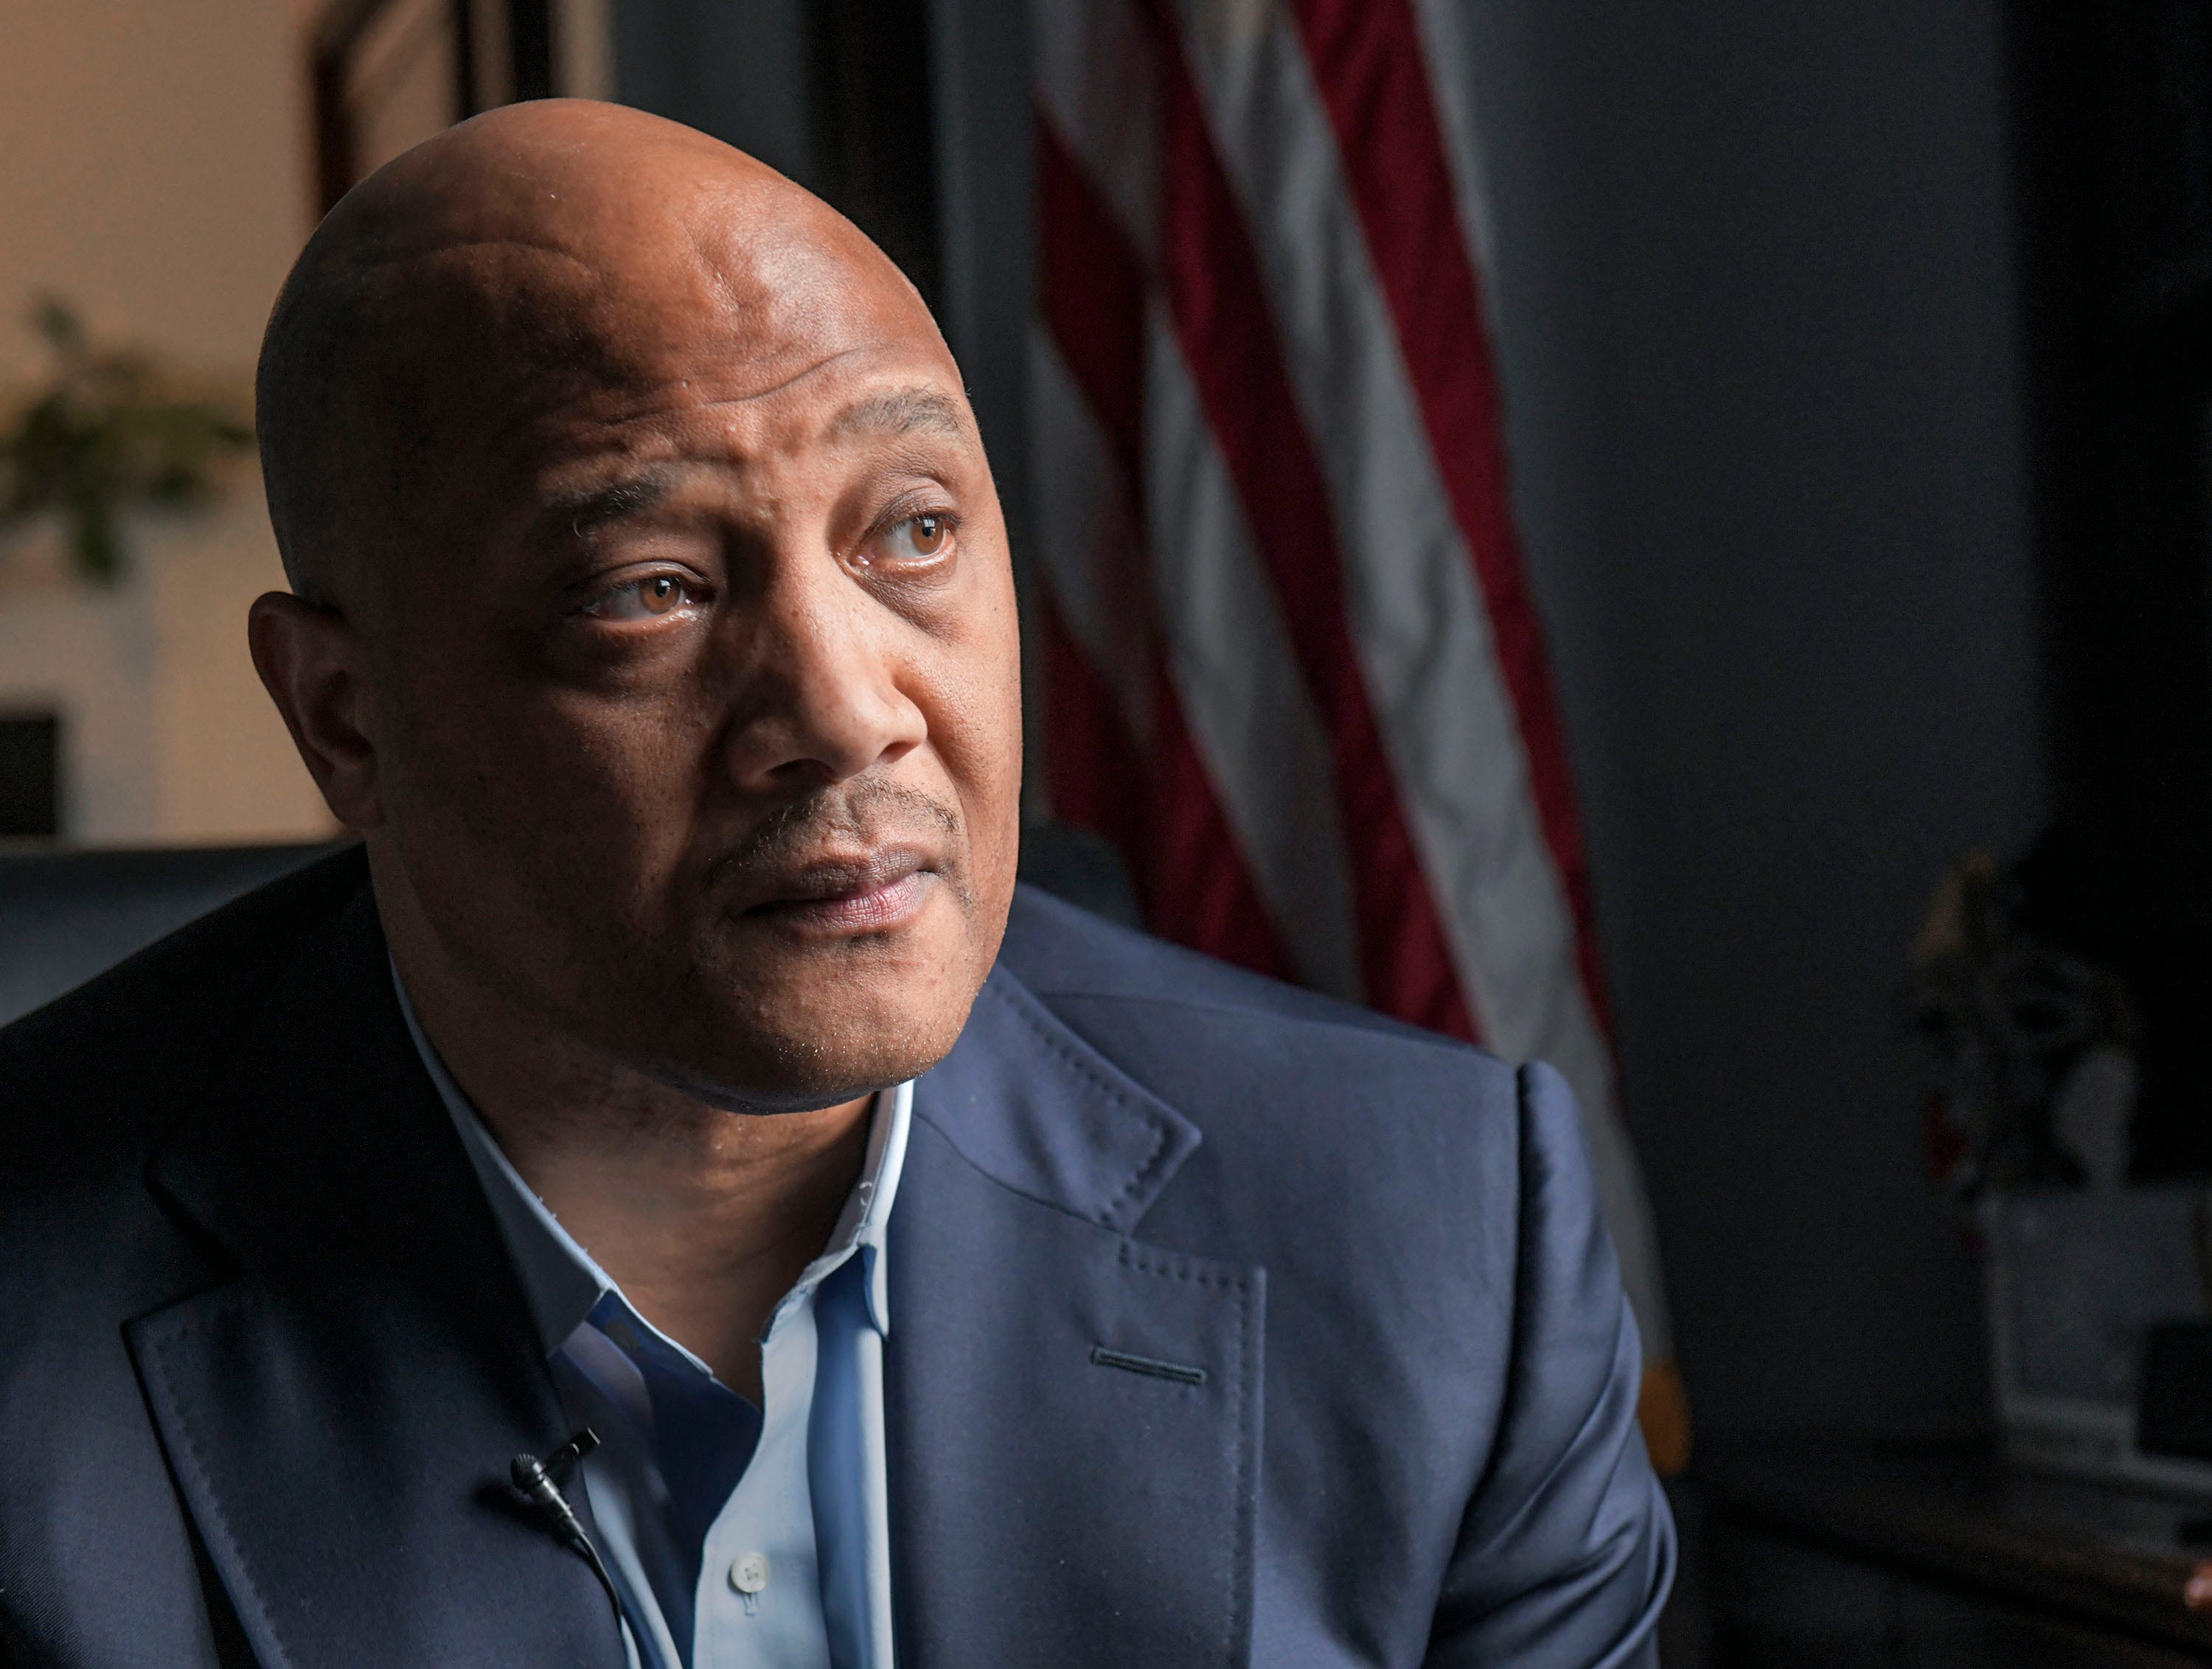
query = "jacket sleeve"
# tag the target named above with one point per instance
(1567, 1550)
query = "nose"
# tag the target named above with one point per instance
(821, 699)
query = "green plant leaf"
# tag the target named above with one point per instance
(93, 541)
(56, 320)
(104, 434)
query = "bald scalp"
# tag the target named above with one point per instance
(535, 252)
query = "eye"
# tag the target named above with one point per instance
(651, 597)
(917, 538)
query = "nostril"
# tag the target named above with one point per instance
(803, 771)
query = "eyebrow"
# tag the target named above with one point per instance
(906, 411)
(576, 514)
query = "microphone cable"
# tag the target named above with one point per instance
(540, 1481)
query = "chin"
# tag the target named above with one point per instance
(798, 1072)
(818, 1035)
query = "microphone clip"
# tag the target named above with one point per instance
(534, 1478)
(540, 1482)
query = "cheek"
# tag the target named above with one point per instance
(620, 779)
(976, 726)
(568, 796)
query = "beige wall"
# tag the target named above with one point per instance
(154, 170)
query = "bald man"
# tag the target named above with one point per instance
(666, 1197)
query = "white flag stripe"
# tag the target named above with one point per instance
(1250, 717)
(1263, 744)
(1098, 591)
(1097, 85)
(1265, 748)
(1418, 621)
(1583, 1057)
(1446, 52)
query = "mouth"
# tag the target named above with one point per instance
(843, 898)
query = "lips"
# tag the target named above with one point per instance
(845, 896)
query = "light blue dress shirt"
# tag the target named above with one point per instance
(740, 1538)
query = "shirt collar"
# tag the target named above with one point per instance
(560, 1280)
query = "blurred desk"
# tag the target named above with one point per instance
(1832, 1554)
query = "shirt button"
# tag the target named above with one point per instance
(749, 1573)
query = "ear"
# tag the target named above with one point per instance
(310, 662)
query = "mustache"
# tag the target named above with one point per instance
(869, 813)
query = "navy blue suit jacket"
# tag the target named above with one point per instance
(263, 1361)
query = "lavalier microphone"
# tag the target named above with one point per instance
(540, 1480)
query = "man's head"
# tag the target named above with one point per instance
(653, 615)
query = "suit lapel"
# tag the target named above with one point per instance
(1065, 1487)
(1073, 1419)
(339, 1416)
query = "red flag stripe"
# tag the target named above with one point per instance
(1267, 746)
(1161, 812)
(1250, 190)
(1219, 304)
(1090, 759)
(1199, 886)
(1368, 61)
(1210, 621)
(1091, 288)
(1191, 876)
(1091, 295)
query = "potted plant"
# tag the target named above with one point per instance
(108, 430)
(2027, 1050)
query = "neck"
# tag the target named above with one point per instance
(704, 1217)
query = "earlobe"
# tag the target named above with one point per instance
(310, 662)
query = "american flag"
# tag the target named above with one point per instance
(1292, 666)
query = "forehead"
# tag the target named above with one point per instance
(880, 401)
(749, 354)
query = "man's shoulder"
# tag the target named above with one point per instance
(93, 1078)
(1245, 1056)
(93, 1084)
(1078, 963)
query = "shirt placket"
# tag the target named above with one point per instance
(758, 1599)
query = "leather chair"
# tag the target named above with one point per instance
(65, 916)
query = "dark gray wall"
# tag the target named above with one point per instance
(1755, 294)
(735, 69)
